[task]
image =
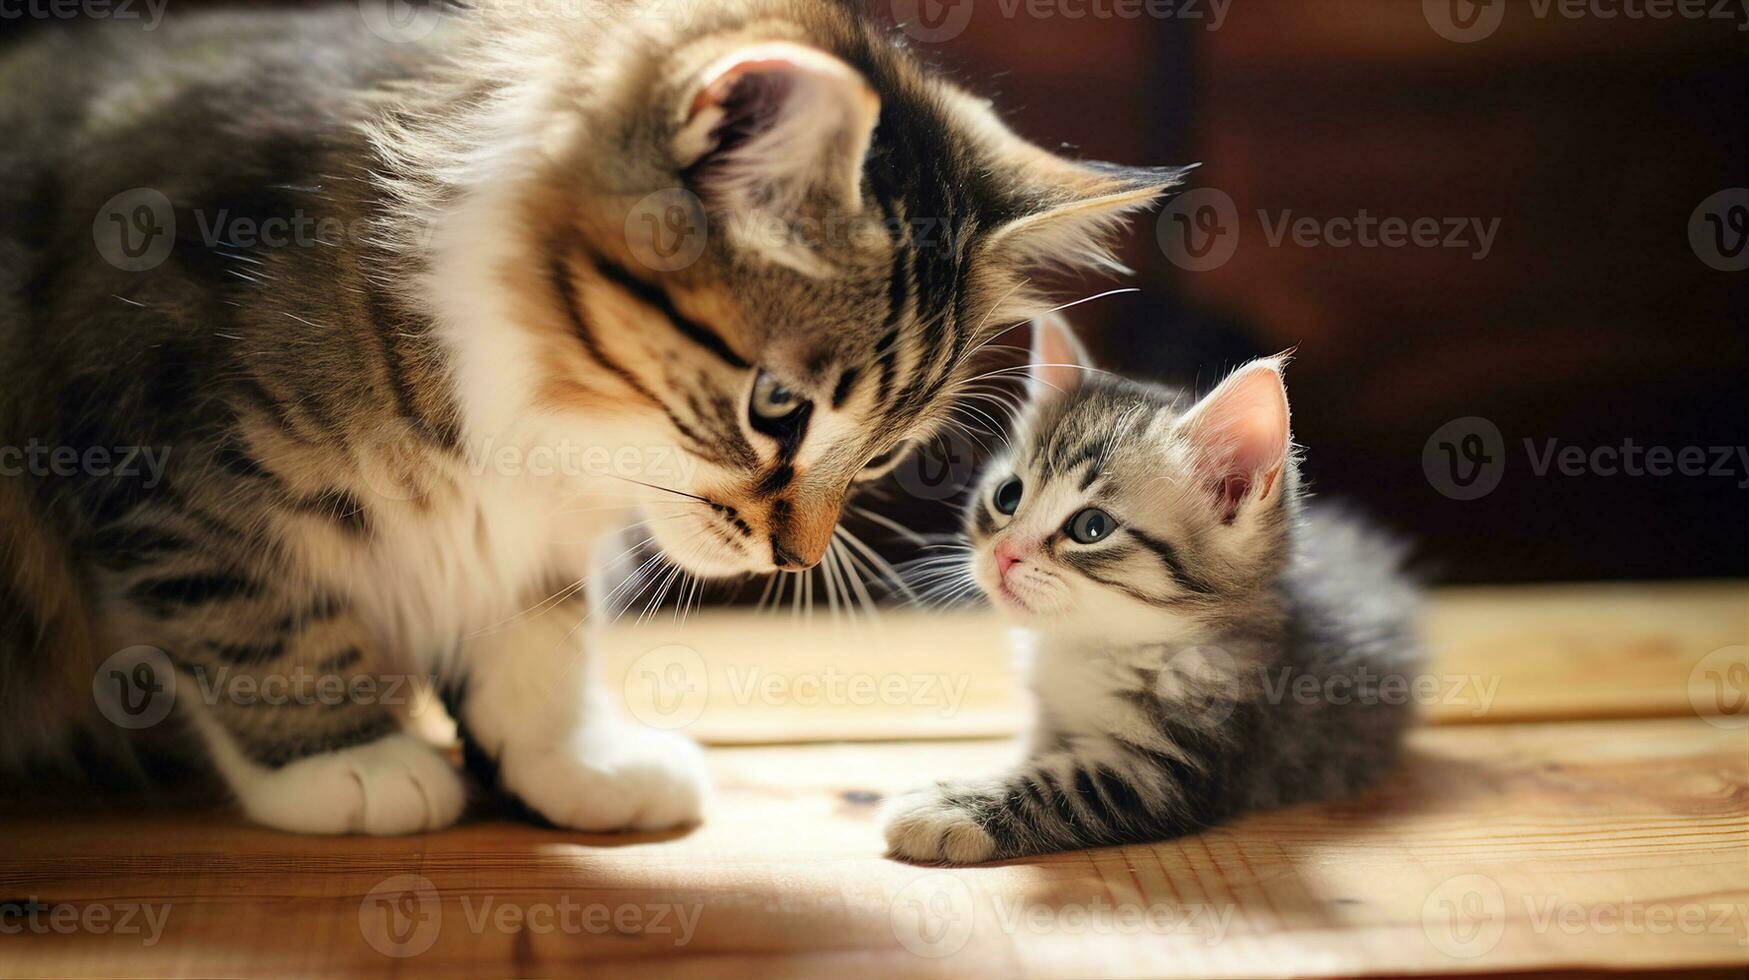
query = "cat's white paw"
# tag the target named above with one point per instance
(395, 785)
(924, 826)
(623, 778)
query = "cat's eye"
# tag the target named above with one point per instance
(883, 464)
(1008, 495)
(1091, 526)
(772, 400)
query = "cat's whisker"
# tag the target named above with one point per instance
(765, 596)
(857, 579)
(885, 522)
(633, 586)
(654, 486)
(827, 584)
(888, 572)
(655, 603)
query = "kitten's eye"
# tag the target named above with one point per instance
(772, 402)
(1008, 495)
(1091, 526)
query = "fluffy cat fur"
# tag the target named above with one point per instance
(475, 280)
(1203, 643)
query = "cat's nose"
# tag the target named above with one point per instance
(799, 538)
(1008, 555)
(788, 561)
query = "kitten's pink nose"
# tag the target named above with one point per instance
(1008, 555)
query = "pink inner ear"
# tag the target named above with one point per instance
(1058, 360)
(1239, 435)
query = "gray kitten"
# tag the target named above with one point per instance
(1203, 642)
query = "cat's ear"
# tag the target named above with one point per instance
(1062, 213)
(771, 125)
(1074, 212)
(1059, 362)
(1240, 436)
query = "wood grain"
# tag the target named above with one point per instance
(1549, 843)
(1524, 840)
(1499, 655)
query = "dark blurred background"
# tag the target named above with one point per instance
(1593, 317)
(1592, 320)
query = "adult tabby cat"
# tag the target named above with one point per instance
(397, 274)
(1205, 643)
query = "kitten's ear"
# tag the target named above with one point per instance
(1059, 362)
(768, 126)
(1240, 435)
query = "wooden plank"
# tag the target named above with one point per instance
(1500, 655)
(1563, 846)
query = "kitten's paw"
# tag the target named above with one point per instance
(395, 785)
(626, 778)
(926, 827)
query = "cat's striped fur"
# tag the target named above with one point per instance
(475, 281)
(1220, 647)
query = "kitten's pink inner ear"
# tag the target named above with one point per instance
(1059, 362)
(1240, 435)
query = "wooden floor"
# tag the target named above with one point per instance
(1578, 802)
